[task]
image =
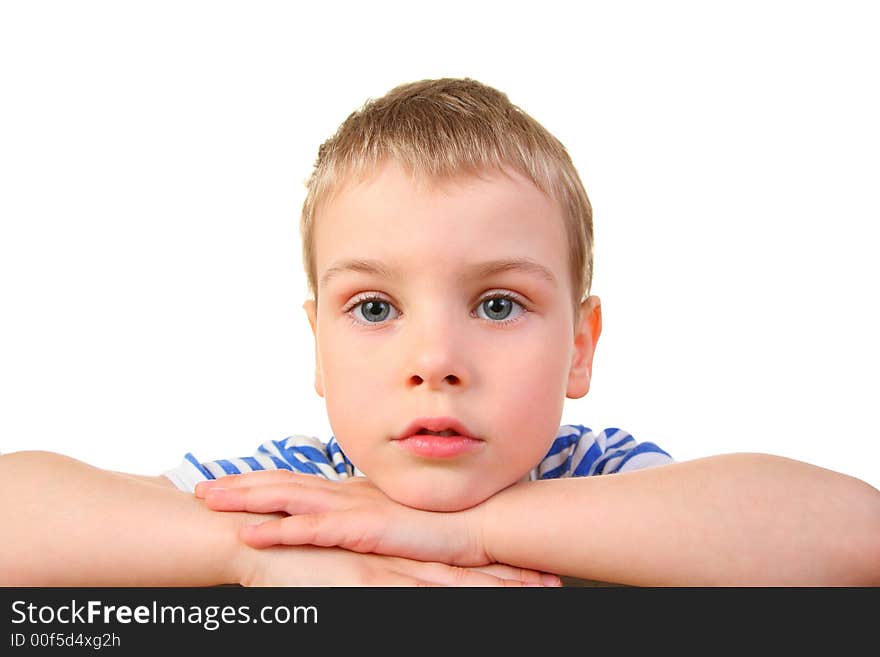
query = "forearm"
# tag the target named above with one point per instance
(67, 523)
(738, 519)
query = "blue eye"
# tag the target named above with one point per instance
(498, 308)
(375, 310)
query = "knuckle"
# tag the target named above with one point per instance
(461, 575)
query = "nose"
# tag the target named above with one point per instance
(436, 359)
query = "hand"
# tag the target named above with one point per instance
(352, 514)
(318, 566)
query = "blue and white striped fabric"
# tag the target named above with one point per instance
(577, 451)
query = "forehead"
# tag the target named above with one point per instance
(413, 225)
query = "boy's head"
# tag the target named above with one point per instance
(410, 204)
(444, 129)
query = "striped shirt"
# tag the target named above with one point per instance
(577, 451)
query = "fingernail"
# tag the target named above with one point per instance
(551, 580)
(204, 486)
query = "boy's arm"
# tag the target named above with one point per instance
(66, 523)
(161, 480)
(736, 519)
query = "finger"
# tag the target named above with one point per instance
(525, 575)
(456, 576)
(399, 571)
(257, 478)
(322, 529)
(398, 580)
(390, 575)
(288, 497)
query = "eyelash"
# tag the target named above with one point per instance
(371, 296)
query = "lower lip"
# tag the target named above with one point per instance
(439, 447)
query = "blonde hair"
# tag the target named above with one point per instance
(445, 128)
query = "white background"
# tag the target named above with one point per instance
(152, 161)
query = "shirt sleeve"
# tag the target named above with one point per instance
(304, 454)
(578, 451)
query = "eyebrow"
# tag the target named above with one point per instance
(479, 270)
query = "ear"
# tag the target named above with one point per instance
(311, 308)
(589, 327)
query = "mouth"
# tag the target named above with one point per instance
(438, 438)
(447, 427)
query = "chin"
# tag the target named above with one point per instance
(433, 500)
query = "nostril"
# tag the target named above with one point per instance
(449, 378)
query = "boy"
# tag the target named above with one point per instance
(448, 244)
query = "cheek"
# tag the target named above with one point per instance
(350, 372)
(345, 383)
(536, 373)
(532, 395)
(347, 364)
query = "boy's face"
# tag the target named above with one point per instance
(433, 339)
